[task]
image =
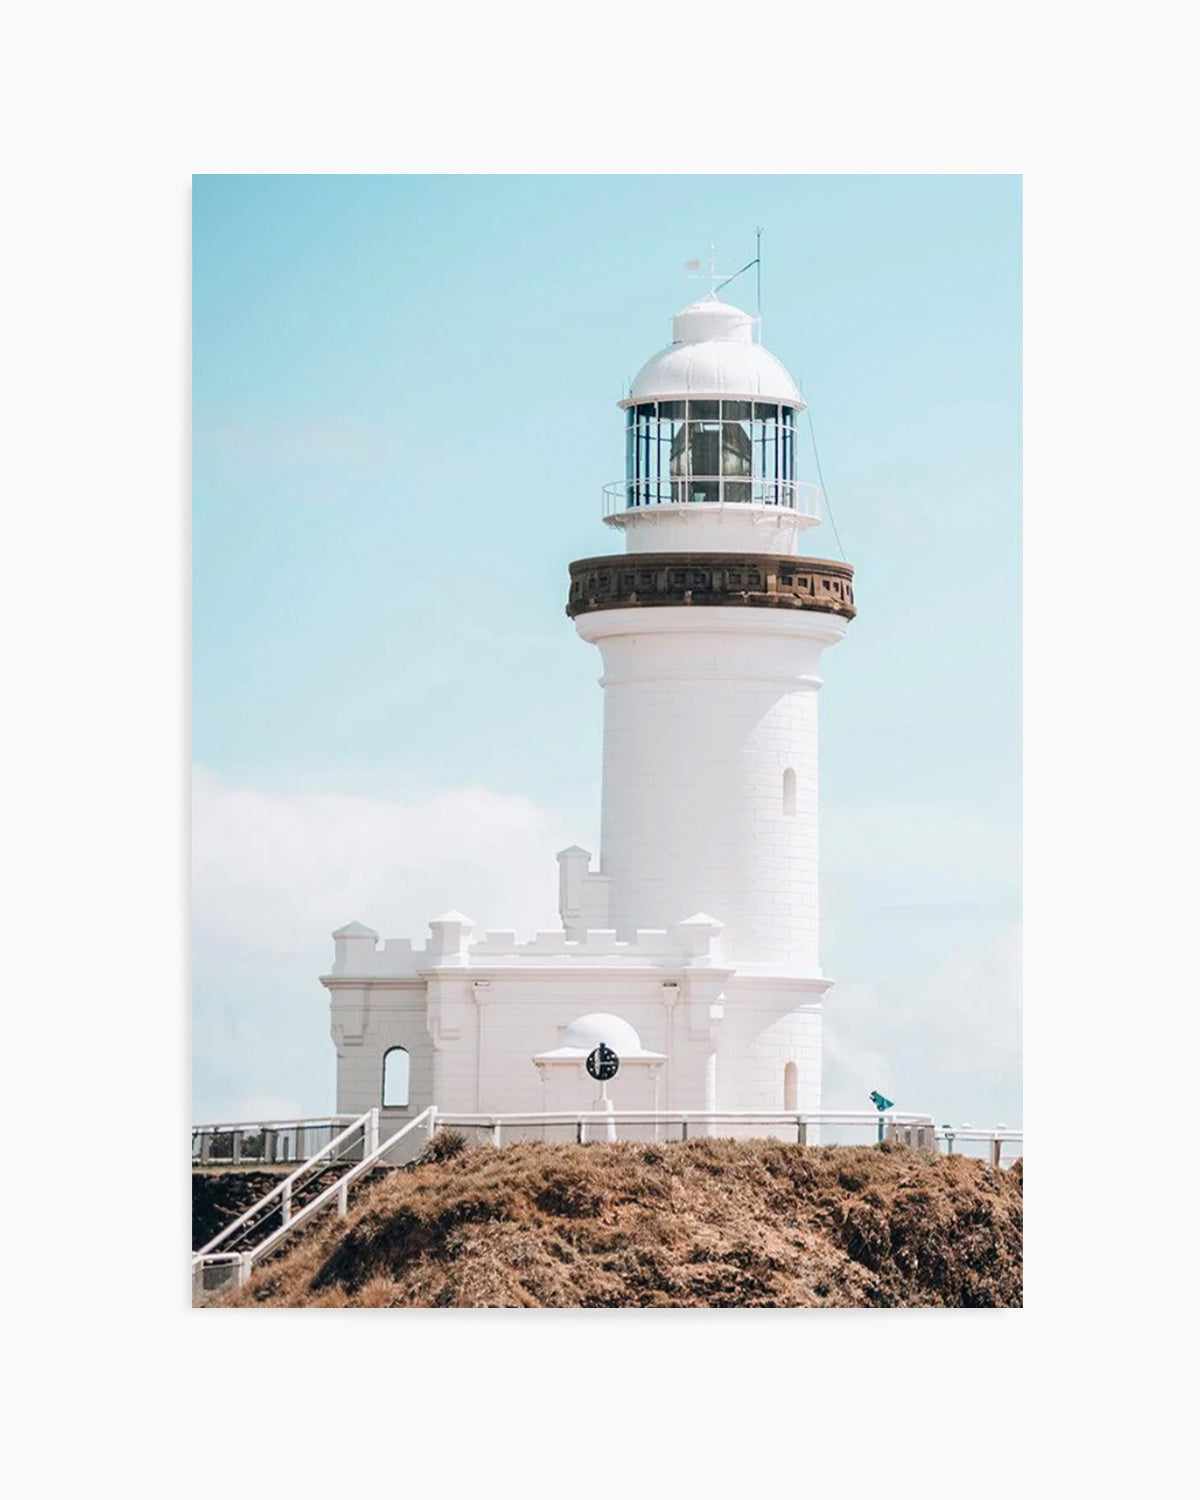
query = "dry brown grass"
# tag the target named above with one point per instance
(708, 1224)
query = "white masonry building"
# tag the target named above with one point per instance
(690, 945)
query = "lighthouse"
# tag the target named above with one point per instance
(712, 627)
(690, 940)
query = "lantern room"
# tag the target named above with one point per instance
(713, 419)
(735, 452)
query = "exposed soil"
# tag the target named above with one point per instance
(219, 1197)
(715, 1223)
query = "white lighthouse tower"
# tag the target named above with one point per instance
(692, 942)
(711, 628)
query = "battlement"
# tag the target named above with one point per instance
(359, 953)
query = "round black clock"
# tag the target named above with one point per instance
(603, 1063)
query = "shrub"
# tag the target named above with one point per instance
(445, 1145)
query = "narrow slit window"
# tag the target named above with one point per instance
(791, 1086)
(789, 793)
(395, 1078)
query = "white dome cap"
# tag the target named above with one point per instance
(714, 354)
(587, 1032)
(710, 318)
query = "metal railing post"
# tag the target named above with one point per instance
(237, 1147)
(683, 1130)
(372, 1133)
(245, 1264)
(801, 1133)
(496, 1134)
(433, 1121)
(286, 1203)
(343, 1200)
(997, 1146)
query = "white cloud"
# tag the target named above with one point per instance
(921, 933)
(272, 870)
(938, 1025)
(274, 873)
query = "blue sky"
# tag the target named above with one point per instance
(404, 396)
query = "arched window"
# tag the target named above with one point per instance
(395, 1078)
(789, 793)
(791, 1086)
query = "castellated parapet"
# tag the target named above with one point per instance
(359, 954)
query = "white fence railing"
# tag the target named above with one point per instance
(810, 1126)
(1002, 1145)
(213, 1270)
(263, 1142)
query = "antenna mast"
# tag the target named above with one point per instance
(758, 274)
(756, 262)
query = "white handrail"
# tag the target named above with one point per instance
(610, 1119)
(284, 1186)
(668, 1116)
(336, 1189)
(801, 1119)
(304, 1121)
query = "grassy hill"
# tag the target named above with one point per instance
(716, 1223)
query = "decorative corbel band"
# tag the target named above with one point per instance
(757, 580)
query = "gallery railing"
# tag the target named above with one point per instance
(635, 494)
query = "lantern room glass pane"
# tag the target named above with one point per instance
(704, 439)
(736, 460)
